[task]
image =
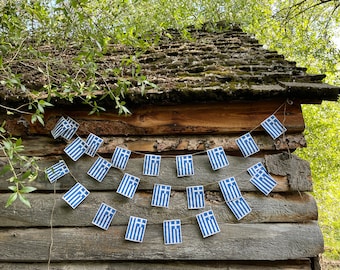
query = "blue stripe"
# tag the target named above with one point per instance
(207, 223)
(99, 169)
(239, 207)
(217, 158)
(120, 158)
(76, 195)
(76, 149)
(151, 165)
(273, 126)
(72, 130)
(247, 145)
(195, 197)
(128, 185)
(56, 171)
(161, 195)
(185, 166)
(229, 189)
(136, 229)
(172, 232)
(104, 216)
(93, 143)
(263, 181)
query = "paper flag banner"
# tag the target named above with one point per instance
(247, 145)
(120, 158)
(161, 195)
(239, 207)
(57, 171)
(68, 134)
(195, 196)
(99, 169)
(207, 223)
(76, 195)
(172, 232)
(185, 165)
(76, 149)
(136, 229)
(273, 126)
(104, 216)
(60, 128)
(229, 189)
(93, 143)
(128, 185)
(151, 165)
(263, 181)
(253, 169)
(218, 158)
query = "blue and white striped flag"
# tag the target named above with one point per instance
(247, 145)
(263, 181)
(218, 158)
(60, 128)
(120, 158)
(239, 207)
(273, 126)
(207, 223)
(93, 143)
(76, 149)
(253, 169)
(136, 229)
(161, 195)
(99, 169)
(229, 189)
(76, 195)
(195, 196)
(68, 134)
(57, 171)
(185, 165)
(172, 232)
(128, 185)
(104, 216)
(151, 165)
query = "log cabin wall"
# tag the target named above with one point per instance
(211, 90)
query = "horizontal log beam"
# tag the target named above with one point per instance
(274, 208)
(210, 118)
(234, 242)
(287, 180)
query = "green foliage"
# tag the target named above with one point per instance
(322, 135)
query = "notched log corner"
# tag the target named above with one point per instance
(296, 169)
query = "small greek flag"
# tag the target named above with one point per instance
(152, 164)
(273, 126)
(76, 149)
(229, 189)
(207, 223)
(263, 181)
(218, 158)
(68, 134)
(99, 169)
(120, 158)
(136, 229)
(60, 128)
(128, 185)
(247, 145)
(253, 169)
(104, 216)
(76, 195)
(195, 196)
(93, 143)
(161, 195)
(185, 165)
(57, 171)
(172, 232)
(239, 207)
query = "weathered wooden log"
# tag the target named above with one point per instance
(204, 175)
(274, 208)
(303, 264)
(240, 242)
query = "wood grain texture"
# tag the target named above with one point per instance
(274, 208)
(169, 265)
(209, 118)
(204, 175)
(234, 242)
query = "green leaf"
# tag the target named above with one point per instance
(11, 199)
(13, 188)
(5, 169)
(27, 189)
(24, 200)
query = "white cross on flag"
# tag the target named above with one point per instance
(76, 149)
(218, 158)
(185, 165)
(253, 169)
(104, 216)
(136, 229)
(273, 126)
(151, 165)
(195, 197)
(128, 185)
(99, 169)
(120, 158)
(93, 143)
(161, 195)
(172, 232)
(76, 195)
(57, 171)
(207, 223)
(247, 145)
